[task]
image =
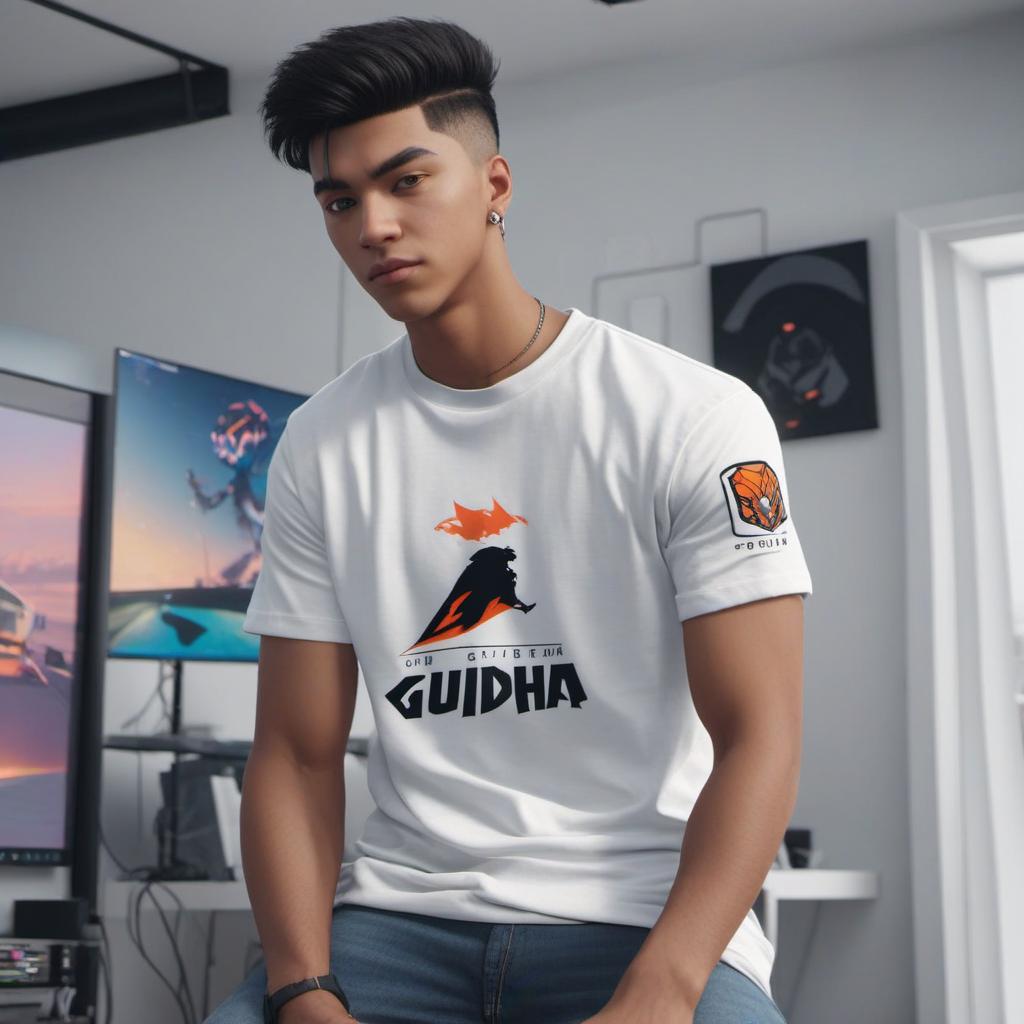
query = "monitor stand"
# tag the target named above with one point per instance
(169, 868)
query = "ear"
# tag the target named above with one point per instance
(499, 179)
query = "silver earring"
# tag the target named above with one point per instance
(496, 218)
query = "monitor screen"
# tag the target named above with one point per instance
(191, 452)
(43, 506)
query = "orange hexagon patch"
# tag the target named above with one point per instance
(754, 497)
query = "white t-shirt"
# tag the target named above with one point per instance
(512, 564)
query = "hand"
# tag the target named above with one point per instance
(645, 996)
(315, 1007)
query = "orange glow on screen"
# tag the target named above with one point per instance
(23, 771)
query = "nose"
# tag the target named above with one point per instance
(377, 224)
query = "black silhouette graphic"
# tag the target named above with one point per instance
(485, 588)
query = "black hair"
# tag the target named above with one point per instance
(355, 72)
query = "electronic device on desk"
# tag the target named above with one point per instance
(39, 978)
(209, 794)
(47, 952)
(36, 963)
(795, 850)
(198, 824)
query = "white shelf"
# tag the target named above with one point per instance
(812, 884)
(114, 894)
(781, 884)
(821, 884)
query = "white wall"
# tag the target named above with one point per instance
(193, 244)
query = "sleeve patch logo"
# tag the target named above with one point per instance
(754, 497)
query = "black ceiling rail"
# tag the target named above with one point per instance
(113, 112)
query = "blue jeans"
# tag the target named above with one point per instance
(402, 968)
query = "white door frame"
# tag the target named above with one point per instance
(965, 759)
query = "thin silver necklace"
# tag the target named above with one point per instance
(536, 334)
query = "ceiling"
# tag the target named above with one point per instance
(48, 54)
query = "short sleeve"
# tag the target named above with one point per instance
(294, 594)
(731, 534)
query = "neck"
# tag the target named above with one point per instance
(484, 324)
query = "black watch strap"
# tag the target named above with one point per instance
(272, 1002)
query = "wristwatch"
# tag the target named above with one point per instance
(272, 1002)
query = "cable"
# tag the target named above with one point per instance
(182, 993)
(166, 672)
(143, 874)
(183, 974)
(134, 922)
(206, 933)
(107, 964)
(130, 721)
(209, 963)
(177, 926)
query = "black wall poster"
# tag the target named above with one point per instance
(797, 328)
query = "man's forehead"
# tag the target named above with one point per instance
(327, 147)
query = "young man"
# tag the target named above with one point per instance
(505, 515)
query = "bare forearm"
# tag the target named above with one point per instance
(729, 844)
(292, 831)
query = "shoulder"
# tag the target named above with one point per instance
(679, 389)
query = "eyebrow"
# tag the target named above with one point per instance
(403, 157)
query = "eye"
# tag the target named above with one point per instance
(404, 177)
(416, 176)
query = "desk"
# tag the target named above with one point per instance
(812, 884)
(781, 884)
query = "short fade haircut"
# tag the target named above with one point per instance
(355, 72)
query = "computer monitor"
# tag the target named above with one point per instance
(190, 460)
(44, 501)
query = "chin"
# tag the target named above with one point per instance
(404, 307)
(409, 304)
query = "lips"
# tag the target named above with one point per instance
(388, 265)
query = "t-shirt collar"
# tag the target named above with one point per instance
(503, 390)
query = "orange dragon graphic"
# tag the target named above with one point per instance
(758, 494)
(477, 523)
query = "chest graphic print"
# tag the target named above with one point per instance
(484, 589)
(487, 586)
